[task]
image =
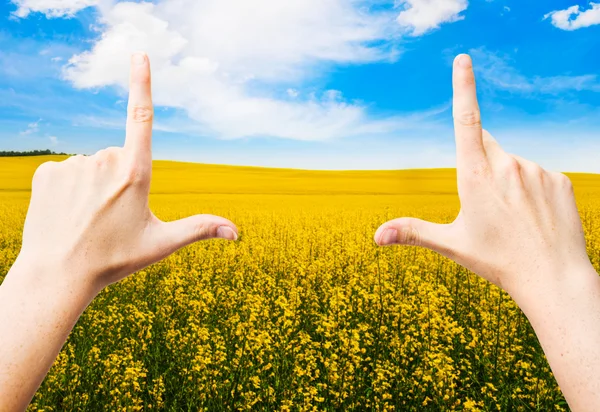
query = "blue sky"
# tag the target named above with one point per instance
(323, 84)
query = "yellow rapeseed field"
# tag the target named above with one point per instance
(304, 312)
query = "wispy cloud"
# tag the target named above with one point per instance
(228, 72)
(31, 128)
(24, 59)
(497, 72)
(575, 17)
(116, 120)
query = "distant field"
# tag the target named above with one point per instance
(178, 177)
(304, 312)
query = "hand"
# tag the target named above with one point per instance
(518, 226)
(91, 214)
(88, 225)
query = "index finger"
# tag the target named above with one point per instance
(467, 117)
(138, 139)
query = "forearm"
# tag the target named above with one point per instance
(37, 317)
(566, 318)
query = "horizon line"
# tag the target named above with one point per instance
(441, 168)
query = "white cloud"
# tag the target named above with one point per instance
(240, 68)
(498, 73)
(421, 16)
(51, 8)
(53, 140)
(31, 128)
(229, 64)
(574, 17)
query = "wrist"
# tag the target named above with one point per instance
(52, 277)
(40, 304)
(556, 288)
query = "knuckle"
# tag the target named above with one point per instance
(537, 169)
(101, 159)
(533, 170)
(43, 171)
(105, 156)
(564, 181)
(204, 231)
(538, 172)
(468, 81)
(410, 236)
(99, 153)
(108, 151)
(45, 168)
(76, 158)
(468, 118)
(511, 166)
(141, 114)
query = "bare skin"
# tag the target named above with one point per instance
(88, 225)
(519, 228)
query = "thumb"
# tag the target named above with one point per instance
(177, 234)
(416, 232)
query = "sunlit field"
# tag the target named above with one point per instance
(304, 312)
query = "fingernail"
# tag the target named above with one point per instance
(225, 232)
(464, 61)
(138, 58)
(388, 237)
